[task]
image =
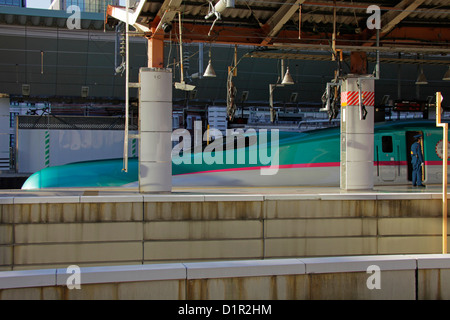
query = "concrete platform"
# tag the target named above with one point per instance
(434, 189)
(393, 277)
(117, 226)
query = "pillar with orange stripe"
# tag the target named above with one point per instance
(357, 132)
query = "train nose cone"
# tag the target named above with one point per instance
(33, 182)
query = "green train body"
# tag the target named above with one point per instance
(260, 159)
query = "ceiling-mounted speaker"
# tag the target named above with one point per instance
(167, 27)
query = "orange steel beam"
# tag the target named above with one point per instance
(429, 34)
(155, 51)
(245, 36)
(254, 36)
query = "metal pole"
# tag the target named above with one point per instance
(127, 83)
(271, 88)
(444, 170)
(333, 37)
(444, 190)
(299, 22)
(377, 66)
(181, 48)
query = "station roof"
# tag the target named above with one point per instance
(38, 49)
(405, 24)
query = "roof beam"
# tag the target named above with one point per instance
(279, 19)
(350, 48)
(392, 18)
(404, 8)
(166, 12)
(318, 56)
(412, 36)
(120, 14)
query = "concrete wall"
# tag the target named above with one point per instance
(400, 277)
(42, 232)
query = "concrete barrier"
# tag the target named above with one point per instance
(396, 277)
(90, 230)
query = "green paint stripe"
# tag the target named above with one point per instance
(47, 148)
(133, 147)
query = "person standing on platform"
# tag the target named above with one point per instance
(417, 162)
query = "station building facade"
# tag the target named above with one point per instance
(14, 3)
(84, 5)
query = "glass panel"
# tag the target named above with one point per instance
(386, 142)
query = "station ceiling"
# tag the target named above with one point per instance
(422, 26)
(37, 48)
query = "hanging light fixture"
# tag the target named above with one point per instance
(287, 79)
(421, 79)
(209, 71)
(181, 85)
(447, 75)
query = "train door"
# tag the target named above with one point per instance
(409, 141)
(387, 156)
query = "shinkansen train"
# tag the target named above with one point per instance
(268, 159)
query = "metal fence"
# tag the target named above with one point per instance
(74, 123)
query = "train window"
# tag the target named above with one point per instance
(386, 144)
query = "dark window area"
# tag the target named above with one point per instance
(386, 144)
(16, 3)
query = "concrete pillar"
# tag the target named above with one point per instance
(4, 132)
(357, 133)
(155, 129)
